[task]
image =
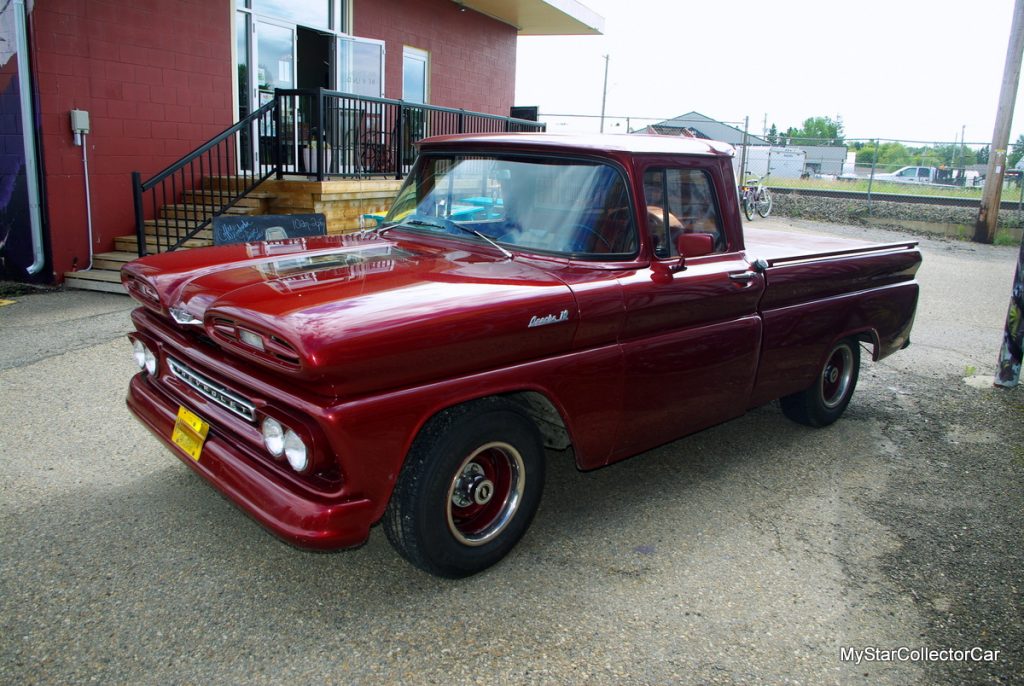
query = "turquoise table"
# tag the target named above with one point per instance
(458, 213)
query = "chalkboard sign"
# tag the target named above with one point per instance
(240, 228)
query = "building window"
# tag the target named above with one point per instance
(415, 74)
(361, 66)
(312, 13)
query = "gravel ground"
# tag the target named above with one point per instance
(749, 553)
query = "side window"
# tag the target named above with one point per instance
(680, 201)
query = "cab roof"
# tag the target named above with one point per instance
(627, 143)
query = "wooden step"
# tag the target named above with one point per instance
(131, 244)
(215, 198)
(198, 212)
(158, 230)
(228, 183)
(112, 260)
(105, 280)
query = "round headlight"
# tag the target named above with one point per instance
(150, 360)
(273, 436)
(139, 353)
(295, 451)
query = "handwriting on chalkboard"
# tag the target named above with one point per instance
(229, 228)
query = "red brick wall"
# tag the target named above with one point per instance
(156, 78)
(472, 57)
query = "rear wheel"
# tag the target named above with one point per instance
(827, 398)
(764, 202)
(468, 490)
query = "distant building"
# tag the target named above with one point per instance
(702, 126)
(816, 159)
(822, 159)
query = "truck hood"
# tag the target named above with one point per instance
(350, 315)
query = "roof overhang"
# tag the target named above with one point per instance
(541, 17)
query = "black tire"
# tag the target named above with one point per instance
(748, 207)
(764, 203)
(827, 398)
(469, 489)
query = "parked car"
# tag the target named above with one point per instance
(910, 175)
(602, 299)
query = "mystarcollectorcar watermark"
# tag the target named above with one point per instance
(910, 654)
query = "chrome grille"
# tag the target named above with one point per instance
(213, 391)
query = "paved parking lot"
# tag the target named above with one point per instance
(749, 553)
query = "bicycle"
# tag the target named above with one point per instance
(755, 197)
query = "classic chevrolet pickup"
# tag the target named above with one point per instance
(592, 295)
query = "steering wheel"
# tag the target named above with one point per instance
(578, 228)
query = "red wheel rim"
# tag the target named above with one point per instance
(485, 493)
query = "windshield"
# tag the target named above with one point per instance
(565, 207)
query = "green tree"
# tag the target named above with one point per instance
(817, 131)
(1016, 152)
(773, 135)
(982, 156)
(890, 156)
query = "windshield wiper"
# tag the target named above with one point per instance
(445, 224)
(502, 250)
(410, 222)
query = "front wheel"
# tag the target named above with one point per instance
(764, 203)
(748, 206)
(827, 398)
(469, 489)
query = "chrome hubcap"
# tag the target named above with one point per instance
(485, 493)
(472, 487)
(836, 376)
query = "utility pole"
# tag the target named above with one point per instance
(604, 93)
(988, 214)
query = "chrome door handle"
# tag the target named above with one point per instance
(743, 276)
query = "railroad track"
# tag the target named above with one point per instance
(893, 197)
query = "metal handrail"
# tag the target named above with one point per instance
(208, 145)
(225, 200)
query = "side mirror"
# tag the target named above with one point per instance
(692, 245)
(695, 244)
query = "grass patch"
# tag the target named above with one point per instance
(861, 186)
(1005, 239)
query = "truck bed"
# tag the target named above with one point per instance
(778, 247)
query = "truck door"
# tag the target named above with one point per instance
(691, 336)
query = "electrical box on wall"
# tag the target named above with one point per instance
(80, 121)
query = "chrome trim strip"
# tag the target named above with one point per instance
(213, 391)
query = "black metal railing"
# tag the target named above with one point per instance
(182, 200)
(328, 133)
(310, 133)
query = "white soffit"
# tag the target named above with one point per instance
(541, 17)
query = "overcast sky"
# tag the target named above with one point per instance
(909, 69)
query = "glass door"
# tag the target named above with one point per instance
(274, 57)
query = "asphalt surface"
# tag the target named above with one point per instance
(747, 554)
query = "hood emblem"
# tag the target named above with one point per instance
(562, 316)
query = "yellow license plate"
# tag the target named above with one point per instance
(189, 433)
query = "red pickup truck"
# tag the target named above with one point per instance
(526, 292)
